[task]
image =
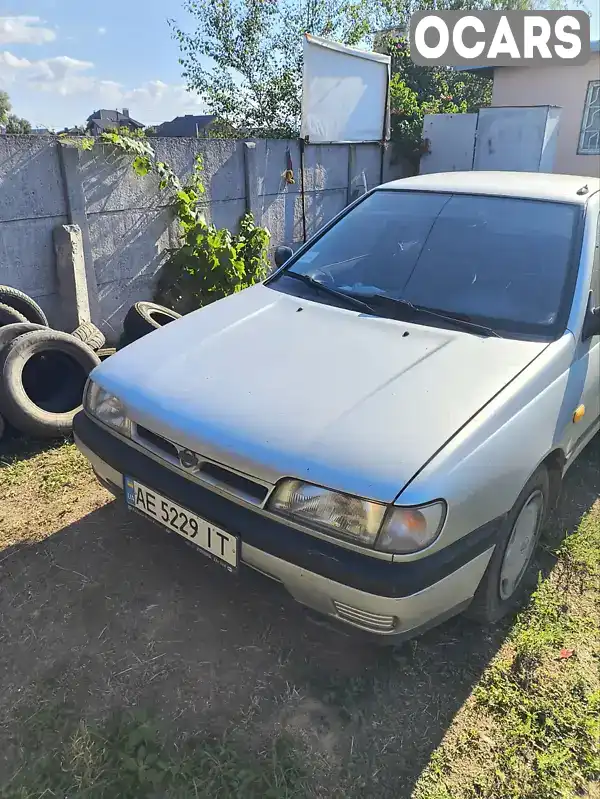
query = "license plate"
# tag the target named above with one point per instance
(212, 541)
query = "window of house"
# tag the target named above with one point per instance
(589, 139)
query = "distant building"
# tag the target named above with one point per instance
(189, 126)
(105, 119)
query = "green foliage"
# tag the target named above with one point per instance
(254, 81)
(5, 107)
(416, 91)
(17, 126)
(14, 124)
(244, 57)
(211, 263)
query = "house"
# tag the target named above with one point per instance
(576, 89)
(105, 119)
(190, 125)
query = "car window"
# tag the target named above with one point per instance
(500, 261)
(498, 257)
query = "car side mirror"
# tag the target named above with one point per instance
(591, 324)
(282, 254)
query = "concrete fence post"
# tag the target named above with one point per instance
(70, 160)
(251, 196)
(72, 278)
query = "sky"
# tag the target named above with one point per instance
(60, 60)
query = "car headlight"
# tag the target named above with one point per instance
(106, 408)
(388, 529)
(407, 530)
(338, 514)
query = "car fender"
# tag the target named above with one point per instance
(482, 469)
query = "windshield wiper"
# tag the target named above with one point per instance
(352, 302)
(458, 320)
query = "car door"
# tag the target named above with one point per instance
(587, 362)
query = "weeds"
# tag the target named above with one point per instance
(541, 695)
(127, 758)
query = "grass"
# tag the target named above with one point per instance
(54, 468)
(127, 757)
(531, 729)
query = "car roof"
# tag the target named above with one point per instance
(527, 185)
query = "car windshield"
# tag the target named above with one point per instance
(503, 262)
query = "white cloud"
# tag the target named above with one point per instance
(24, 30)
(61, 74)
(101, 31)
(30, 82)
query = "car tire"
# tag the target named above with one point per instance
(90, 335)
(2, 427)
(10, 316)
(22, 303)
(504, 584)
(44, 408)
(144, 317)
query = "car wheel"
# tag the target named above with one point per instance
(22, 303)
(504, 583)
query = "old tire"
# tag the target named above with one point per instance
(105, 352)
(90, 335)
(503, 588)
(144, 317)
(9, 333)
(24, 304)
(2, 427)
(10, 316)
(44, 408)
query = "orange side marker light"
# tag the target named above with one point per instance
(579, 414)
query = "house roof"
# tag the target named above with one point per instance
(185, 126)
(106, 117)
(489, 71)
(526, 185)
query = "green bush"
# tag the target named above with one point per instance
(213, 263)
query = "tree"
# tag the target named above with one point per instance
(14, 124)
(400, 11)
(245, 56)
(5, 107)
(416, 91)
(17, 125)
(255, 82)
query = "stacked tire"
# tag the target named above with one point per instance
(143, 318)
(42, 371)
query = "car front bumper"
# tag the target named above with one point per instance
(393, 601)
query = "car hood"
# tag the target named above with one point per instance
(273, 385)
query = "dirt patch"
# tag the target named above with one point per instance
(101, 612)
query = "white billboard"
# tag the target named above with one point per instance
(345, 93)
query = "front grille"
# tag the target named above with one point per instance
(234, 482)
(212, 473)
(157, 442)
(375, 622)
